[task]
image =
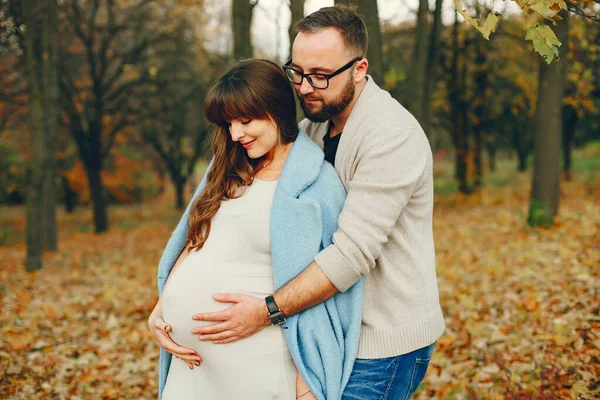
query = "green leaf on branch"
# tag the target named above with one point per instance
(489, 26)
(544, 41)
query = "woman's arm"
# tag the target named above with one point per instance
(160, 329)
(302, 390)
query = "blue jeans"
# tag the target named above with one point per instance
(393, 378)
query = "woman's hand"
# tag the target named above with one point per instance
(160, 331)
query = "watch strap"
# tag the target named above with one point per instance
(271, 305)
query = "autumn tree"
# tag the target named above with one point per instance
(14, 113)
(545, 191)
(36, 181)
(368, 9)
(416, 84)
(511, 68)
(458, 107)
(101, 74)
(542, 35)
(297, 10)
(479, 117)
(50, 87)
(582, 85)
(171, 117)
(241, 17)
(431, 72)
(40, 51)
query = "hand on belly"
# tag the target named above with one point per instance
(178, 311)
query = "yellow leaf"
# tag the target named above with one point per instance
(490, 25)
(544, 41)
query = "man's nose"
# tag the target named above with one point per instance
(305, 87)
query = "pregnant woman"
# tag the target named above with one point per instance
(266, 206)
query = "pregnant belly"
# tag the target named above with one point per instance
(189, 291)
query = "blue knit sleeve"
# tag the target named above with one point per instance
(331, 330)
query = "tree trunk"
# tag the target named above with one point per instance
(522, 156)
(70, 197)
(522, 149)
(520, 142)
(179, 183)
(459, 130)
(297, 9)
(568, 134)
(241, 17)
(419, 62)
(491, 150)
(50, 85)
(34, 235)
(477, 158)
(545, 190)
(481, 82)
(431, 72)
(92, 169)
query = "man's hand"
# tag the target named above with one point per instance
(247, 316)
(160, 331)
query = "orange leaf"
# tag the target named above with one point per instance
(531, 305)
(17, 345)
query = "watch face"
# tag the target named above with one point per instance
(277, 318)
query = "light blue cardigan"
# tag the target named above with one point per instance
(323, 340)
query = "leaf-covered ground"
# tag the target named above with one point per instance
(521, 304)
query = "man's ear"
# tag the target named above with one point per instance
(361, 70)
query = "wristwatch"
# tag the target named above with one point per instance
(275, 315)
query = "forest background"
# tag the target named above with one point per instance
(102, 141)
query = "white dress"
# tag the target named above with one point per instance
(236, 258)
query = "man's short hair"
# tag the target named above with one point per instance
(345, 20)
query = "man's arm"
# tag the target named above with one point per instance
(249, 315)
(308, 289)
(389, 169)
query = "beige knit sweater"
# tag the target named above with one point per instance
(385, 229)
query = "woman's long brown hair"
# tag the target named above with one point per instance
(252, 89)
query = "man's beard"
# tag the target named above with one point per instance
(335, 107)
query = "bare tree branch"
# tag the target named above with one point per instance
(574, 8)
(123, 122)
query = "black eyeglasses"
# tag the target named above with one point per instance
(318, 81)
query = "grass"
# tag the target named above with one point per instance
(585, 169)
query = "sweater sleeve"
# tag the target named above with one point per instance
(331, 201)
(389, 169)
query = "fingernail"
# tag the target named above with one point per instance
(191, 367)
(191, 353)
(198, 363)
